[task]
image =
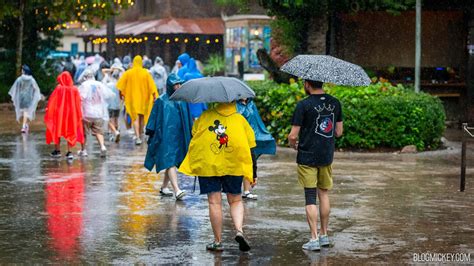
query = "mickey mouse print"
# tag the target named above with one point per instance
(221, 136)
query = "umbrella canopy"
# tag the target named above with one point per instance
(326, 68)
(213, 89)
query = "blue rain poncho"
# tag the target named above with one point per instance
(265, 142)
(169, 130)
(183, 58)
(25, 95)
(196, 109)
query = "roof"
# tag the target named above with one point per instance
(204, 26)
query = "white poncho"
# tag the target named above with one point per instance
(25, 95)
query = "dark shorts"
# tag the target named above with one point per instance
(227, 184)
(114, 113)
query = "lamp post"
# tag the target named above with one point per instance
(418, 46)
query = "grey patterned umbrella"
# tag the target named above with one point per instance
(214, 89)
(326, 68)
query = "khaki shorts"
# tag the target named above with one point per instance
(93, 126)
(315, 177)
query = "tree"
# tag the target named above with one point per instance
(49, 17)
(317, 17)
(295, 19)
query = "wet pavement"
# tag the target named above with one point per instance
(385, 208)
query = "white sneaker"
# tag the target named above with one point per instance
(249, 195)
(117, 136)
(103, 152)
(138, 141)
(82, 153)
(180, 194)
(166, 192)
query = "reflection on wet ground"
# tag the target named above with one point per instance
(385, 207)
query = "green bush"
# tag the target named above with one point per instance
(379, 115)
(215, 65)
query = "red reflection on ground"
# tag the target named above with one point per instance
(64, 205)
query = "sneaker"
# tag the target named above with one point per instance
(243, 244)
(324, 241)
(312, 245)
(249, 195)
(138, 141)
(24, 129)
(103, 152)
(56, 154)
(69, 155)
(166, 192)
(117, 137)
(180, 194)
(82, 153)
(214, 246)
(112, 138)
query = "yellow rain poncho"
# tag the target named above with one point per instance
(221, 144)
(138, 89)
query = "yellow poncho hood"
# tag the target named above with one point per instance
(138, 89)
(221, 144)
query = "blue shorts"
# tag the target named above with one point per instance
(226, 184)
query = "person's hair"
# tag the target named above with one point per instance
(315, 84)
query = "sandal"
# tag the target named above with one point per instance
(214, 246)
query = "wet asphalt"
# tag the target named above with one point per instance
(385, 208)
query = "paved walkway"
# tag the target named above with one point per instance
(385, 208)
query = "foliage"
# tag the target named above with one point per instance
(293, 17)
(215, 65)
(379, 115)
(43, 20)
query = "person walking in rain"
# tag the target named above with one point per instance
(25, 95)
(316, 121)
(264, 140)
(196, 109)
(110, 80)
(139, 92)
(219, 153)
(159, 74)
(63, 117)
(94, 95)
(183, 65)
(169, 128)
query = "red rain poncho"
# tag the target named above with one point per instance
(63, 116)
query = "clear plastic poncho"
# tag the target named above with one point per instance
(25, 95)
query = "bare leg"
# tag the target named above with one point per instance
(324, 210)
(166, 180)
(236, 210)
(58, 145)
(136, 127)
(247, 185)
(100, 139)
(112, 126)
(215, 214)
(173, 178)
(312, 218)
(141, 120)
(115, 123)
(25, 119)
